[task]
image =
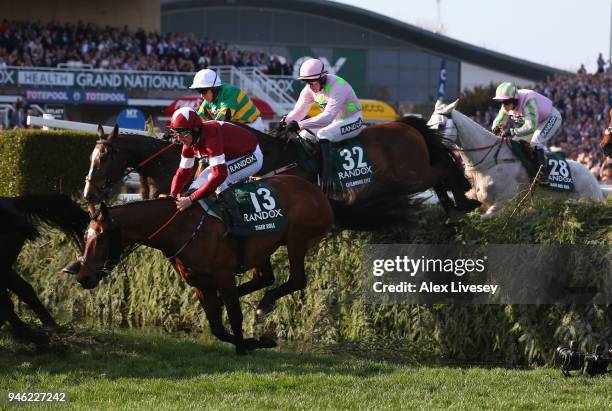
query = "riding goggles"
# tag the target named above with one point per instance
(180, 132)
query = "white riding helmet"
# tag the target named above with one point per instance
(206, 78)
(312, 69)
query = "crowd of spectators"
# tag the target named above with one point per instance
(584, 102)
(50, 44)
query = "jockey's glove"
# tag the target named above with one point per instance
(282, 123)
(509, 132)
(293, 126)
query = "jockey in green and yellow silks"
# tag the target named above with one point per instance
(223, 101)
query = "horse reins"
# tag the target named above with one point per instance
(490, 148)
(163, 226)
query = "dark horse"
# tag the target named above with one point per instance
(18, 217)
(194, 243)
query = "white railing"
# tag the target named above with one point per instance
(256, 83)
(74, 125)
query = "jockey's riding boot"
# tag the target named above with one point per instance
(541, 159)
(327, 181)
(237, 225)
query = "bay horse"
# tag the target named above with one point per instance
(115, 156)
(496, 172)
(19, 217)
(194, 243)
(407, 158)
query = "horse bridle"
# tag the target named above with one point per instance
(459, 146)
(115, 253)
(108, 180)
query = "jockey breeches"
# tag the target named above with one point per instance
(257, 125)
(238, 169)
(338, 130)
(548, 129)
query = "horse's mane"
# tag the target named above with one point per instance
(261, 136)
(57, 210)
(466, 125)
(139, 202)
(438, 151)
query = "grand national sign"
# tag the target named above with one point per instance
(107, 79)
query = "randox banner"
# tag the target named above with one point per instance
(30, 76)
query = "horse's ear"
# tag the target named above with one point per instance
(100, 132)
(103, 210)
(115, 132)
(452, 105)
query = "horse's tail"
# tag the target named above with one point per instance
(439, 153)
(377, 206)
(55, 209)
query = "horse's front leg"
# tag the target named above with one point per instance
(26, 293)
(212, 307)
(229, 294)
(20, 329)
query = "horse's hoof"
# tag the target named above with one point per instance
(468, 205)
(263, 311)
(33, 336)
(266, 342)
(51, 327)
(251, 344)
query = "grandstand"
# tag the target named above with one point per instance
(78, 67)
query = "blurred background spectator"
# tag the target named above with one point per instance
(47, 45)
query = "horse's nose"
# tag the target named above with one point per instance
(89, 282)
(73, 268)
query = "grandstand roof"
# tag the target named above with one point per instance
(390, 27)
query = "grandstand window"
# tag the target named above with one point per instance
(383, 83)
(258, 27)
(289, 27)
(320, 30)
(351, 35)
(383, 58)
(223, 25)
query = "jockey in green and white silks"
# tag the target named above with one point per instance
(222, 99)
(340, 118)
(540, 120)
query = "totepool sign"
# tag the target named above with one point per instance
(76, 96)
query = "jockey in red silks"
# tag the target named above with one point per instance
(233, 155)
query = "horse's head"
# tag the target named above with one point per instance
(102, 249)
(106, 168)
(440, 120)
(606, 142)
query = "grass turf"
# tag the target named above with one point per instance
(130, 369)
